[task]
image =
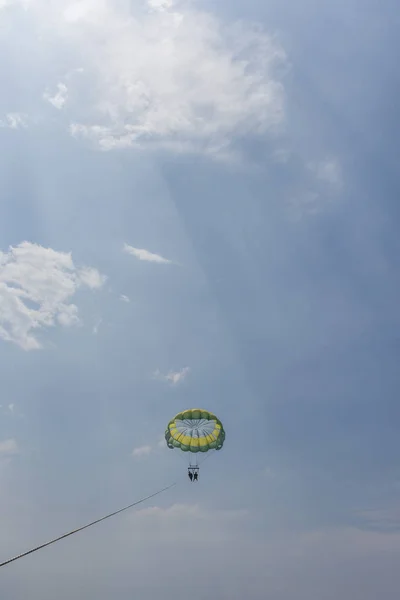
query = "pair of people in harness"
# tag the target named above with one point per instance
(193, 474)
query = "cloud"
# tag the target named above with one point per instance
(14, 121)
(10, 410)
(380, 519)
(59, 98)
(326, 564)
(177, 376)
(141, 451)
(173, 377)
(36, 284)
(304, 203)
(96, 326)
(190, 511)
(124, 298)
(8, 448)
(182, 520)
(327, 171)
(91, 278)
(160, 5)
(326, 181)
(145, 255)
(163, 74)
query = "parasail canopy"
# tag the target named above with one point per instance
(195, 430)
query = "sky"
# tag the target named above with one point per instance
(199, 208)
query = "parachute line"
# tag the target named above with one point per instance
(61, 537)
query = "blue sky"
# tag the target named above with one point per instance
(199, 207)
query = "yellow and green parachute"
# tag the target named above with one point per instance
(195, 430)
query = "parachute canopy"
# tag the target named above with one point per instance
(195, 430)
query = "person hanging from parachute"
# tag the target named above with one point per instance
(193, 431)
(193, 473)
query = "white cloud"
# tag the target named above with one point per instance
(96, 326)
(10, 410)
(142, 254)
(14, 121)
(189, 511)
(326, 181)
(381, 519)
(305, 203)
(59, 98)
(173, 377)
(327, 171)
(124, 298)
(164, 75)
(177, 376)
(36, 284)
(141, 451)
(8, 448)
(160, 4)
(91, 278)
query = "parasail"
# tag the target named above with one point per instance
(193, 431)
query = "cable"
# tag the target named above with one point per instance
(6, 562)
